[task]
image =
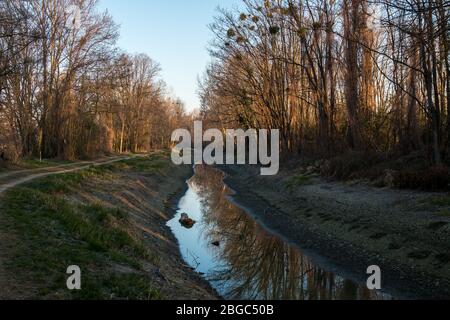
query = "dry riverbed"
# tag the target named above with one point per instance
(350, 226)
(110, 221)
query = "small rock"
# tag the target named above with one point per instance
(186, 221)
(216, 243)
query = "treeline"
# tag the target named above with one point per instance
(67, 91)
(335, 75)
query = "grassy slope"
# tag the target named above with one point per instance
(51, 232)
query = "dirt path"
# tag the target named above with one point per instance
(15, 178)
(353, 226)
(9, 173)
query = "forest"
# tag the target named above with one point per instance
(366, 81)
(68, 92)
(359, 82)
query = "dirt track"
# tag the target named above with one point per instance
(12, 179)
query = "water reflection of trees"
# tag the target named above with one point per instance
(257, 265)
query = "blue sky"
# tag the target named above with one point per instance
(173, 32)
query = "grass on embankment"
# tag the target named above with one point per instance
(51, 232)
(29, 164)
(297, 181)
(438, 205)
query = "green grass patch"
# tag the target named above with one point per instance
(126, 285)
(442, 201)
(54, 234)
(38, 164)
(29, 164)
(297, 181)
(63, 183)
(155, 163)
(444, 213)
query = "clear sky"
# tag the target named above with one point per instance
(172, 32)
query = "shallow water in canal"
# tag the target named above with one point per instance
(241, 259)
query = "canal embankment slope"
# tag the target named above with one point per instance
(109, 220)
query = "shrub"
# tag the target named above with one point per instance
(436, 178)
(9, 154)
(350, 165)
